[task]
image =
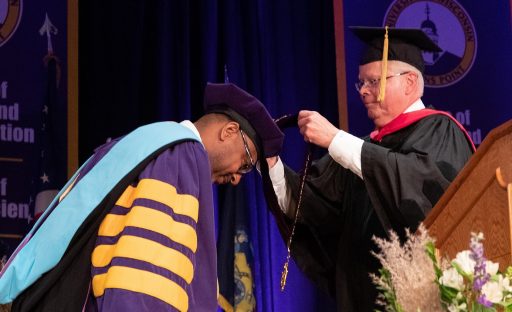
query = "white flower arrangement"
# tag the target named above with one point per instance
(413, 280)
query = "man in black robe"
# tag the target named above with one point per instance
(362, 188)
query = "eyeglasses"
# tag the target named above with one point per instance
(246, 167)
(374, 83)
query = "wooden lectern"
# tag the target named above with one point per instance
(479, 200)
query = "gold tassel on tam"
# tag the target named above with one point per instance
(382, 89)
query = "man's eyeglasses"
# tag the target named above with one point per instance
(246, 167)
(374, 83)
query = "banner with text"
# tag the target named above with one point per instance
(32, 111)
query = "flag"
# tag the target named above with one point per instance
(48, 181)
(50, 176)
(234, 254)
(234, 251)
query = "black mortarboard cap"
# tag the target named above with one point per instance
(405, 44)
(249, 112)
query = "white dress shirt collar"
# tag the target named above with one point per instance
(192, 127)
(417, 105)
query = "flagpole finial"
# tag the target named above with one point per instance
(49, 29)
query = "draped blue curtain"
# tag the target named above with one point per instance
(147, 61)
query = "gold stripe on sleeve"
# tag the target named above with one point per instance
(145, 250)
(162, 192)
(126, 197)
(152, 220)
(142, 282)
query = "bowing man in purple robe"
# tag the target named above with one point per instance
(148, 244)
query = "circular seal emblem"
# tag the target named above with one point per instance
(10, 16)
(447, 24)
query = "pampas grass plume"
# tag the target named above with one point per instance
(412, 271)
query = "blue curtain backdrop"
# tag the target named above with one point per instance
(147, 61)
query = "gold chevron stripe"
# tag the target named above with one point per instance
(182, 204)
(142, 282)
(153, 220)
(145, 250)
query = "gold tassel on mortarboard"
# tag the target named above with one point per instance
(382, 88)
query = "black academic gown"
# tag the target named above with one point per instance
(404, 176)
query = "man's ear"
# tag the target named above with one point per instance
(411, 80)
(229, 130)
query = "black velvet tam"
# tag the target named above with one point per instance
(405, 44)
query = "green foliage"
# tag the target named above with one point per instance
(388, 292)
(431, 252)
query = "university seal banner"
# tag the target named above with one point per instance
(468, 78)
(32, 111)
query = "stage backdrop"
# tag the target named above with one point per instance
(32, 110)
(144, 61)
(469, 78)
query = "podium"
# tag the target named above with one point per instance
(479, 200)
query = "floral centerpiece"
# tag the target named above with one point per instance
(412, 279)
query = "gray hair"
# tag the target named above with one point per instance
(399, 66)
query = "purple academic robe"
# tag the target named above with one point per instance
(155, 250)
(147, 247)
